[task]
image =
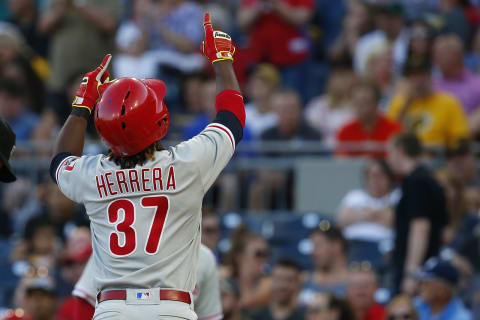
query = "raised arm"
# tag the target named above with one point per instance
(219, 50)
(72, 135)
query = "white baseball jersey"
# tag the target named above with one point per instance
(206, 296)
(145, 221)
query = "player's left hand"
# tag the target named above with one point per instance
(88, 93)
(217, 45)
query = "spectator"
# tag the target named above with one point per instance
(437, 299)
(361, 295)
(436, 117)
(211, 231)
(276, 30)
(261, 86)
(132, 43)
(285, 287)
(379, 73)
(356, 23)
(191, 91)
(453, 19)
(460, 173)
(390, 25)
(206, 111)
(330, 261)
(245, 263)
(39, 298)
(14, 110)
(453, 77)
(401, 308)
(420, 41)
(76, 254)
(24, 15)
(420, 215)
(325, 306)
(329, 112)
(39, 243)
(366, 215)
(160, 34)
(290, 127)
(368, 133)
(80, 33)
(274, 188)
(231, 301)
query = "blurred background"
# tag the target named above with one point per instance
(319, 215)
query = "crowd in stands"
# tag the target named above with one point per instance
(394, 82)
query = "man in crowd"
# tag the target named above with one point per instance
(368, 133)
(436, 117)
(361, 295)
(286, 280)
(437, 299)
(454, 77)
(329, 255)
(420, 215)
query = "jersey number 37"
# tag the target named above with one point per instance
(123, 241)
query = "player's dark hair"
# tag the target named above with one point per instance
(409, 143)
(137, 159)
(288, 263)
(331, 232)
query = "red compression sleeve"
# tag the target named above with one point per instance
(231, 100)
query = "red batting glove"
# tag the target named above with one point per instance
(217, 45)
(88, 93)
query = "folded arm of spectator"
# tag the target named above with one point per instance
(349, 216)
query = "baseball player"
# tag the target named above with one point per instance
(206, 295)
(143, 200)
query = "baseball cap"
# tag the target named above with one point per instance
(435, 268)
(7, 143)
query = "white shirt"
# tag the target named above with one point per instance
(258, 122)
(368, 231)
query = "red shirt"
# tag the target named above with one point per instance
(275, 40)
(354, 132)
(375, 312)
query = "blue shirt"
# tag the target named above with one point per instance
(455, 310)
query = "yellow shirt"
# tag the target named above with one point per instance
(438, 119)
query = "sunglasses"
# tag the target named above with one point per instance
(405, 316)
(260, 254)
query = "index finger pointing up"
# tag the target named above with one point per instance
(207, 24)
(103, 66)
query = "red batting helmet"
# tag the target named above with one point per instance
(131, 115)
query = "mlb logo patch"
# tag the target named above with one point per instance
(143, 295)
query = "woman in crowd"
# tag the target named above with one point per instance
(245, 264)
(366, 215)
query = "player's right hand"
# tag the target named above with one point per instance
(88, 93)
(217, 45)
